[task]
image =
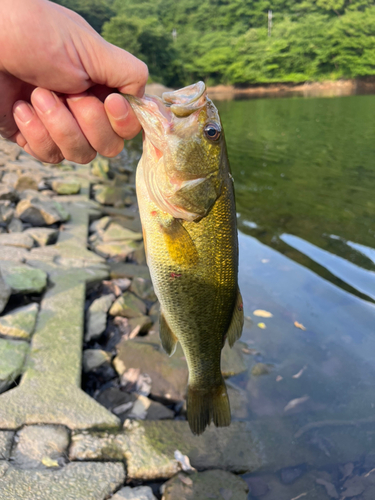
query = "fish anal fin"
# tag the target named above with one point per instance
(167, 337)
(204, 406)
(181, 247)
(236, 325)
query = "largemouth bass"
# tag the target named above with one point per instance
(186, 201)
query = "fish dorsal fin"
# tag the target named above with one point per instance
(181, 247)
(235, 327)
(167, 337)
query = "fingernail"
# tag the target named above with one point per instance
(44, 100)
(77, 97)
(23, 111)
(117, 106)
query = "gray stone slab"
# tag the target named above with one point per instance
(148, 448)
(20, 322)
(49, 392)
(40, 446)
(6, 439)
(76, 481)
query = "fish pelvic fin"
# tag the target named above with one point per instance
(167, 337)
(235, 328)
(204, 406)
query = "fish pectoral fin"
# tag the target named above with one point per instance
(235, 327)
(181, 247)
(167, 337)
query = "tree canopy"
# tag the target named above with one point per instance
(229, 41)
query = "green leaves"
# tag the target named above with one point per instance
(226, 41)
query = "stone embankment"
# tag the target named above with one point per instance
(77, 307)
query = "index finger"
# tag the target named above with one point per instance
(121, 116)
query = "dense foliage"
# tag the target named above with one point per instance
(228, 41)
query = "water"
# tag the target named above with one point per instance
(304, 173)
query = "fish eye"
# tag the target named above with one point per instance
(212, 131)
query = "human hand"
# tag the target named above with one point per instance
(57, 77)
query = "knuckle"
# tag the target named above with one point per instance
(112, 150)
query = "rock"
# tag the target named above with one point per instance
(7, 193)
(100, 224)
(93, 358)
(233, 359)
(154, 311)
(40, 212)
(117, 401)
(22, 278)
(21, 240)
(12, 356)
(218, 484)
(238, 402)
(27, 181)
(16, 254)
(268, 487)
(10, 149)
(139, 255)
(100, 167)
(261, 369)
(6, 212)
(5, 292)
(10, 178)
(115, 232)
(126, 270)
(168, 374)
(112, 195)
(97, 316)
(150, 447)
(41, 446)
(20, 322)
(157, 411)
(118, 250)
(145, 408)
(6, 439)
(43, 236)
(66, 186)
(15, 226)
(143, 289)
(143, 323)
(128, 306)
(137, 493)
(78, 481)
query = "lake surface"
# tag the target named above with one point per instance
(304, 173)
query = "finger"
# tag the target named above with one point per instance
(33, 135)
(62, 126)
(121, 116)
(94, 123)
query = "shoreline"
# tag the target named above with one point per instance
(326, 88)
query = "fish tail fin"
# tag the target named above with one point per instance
(206, 405)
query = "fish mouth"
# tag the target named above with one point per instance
(179, 103)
